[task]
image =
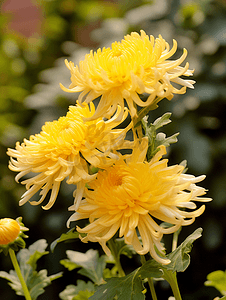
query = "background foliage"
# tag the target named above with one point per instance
(31, 68)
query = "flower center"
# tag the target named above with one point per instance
(115, 179)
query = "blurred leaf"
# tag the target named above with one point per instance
(54, 26)
(92, 265)
(73, 292)
(94, 10)
(216, 28)
(12, 92)
(217, 279)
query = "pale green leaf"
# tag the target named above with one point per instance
(154, 139)
(72, 291)
(161, 139)
(92, 265)
(163, 120)
(35, 281)
(83, 295)
(14, 281)
(217, 279)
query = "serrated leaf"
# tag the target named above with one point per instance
(180, 258)
(129, 287)
(154, 139)
(72, 291)
(35, 281)
(83, 295)
(14, 281)
(161, 139)
(38, 281)
(65, 237)
(33, 258)
(92, 265)
(69, 264)
(217, 279)
(163, 120)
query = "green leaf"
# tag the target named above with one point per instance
(73, 291)
(35, 281)
(83, 295)
(92, 265)
(161, 139)
(217, 279)
(69, 264)
(129, 287)
(163, 120)
(154, 139)
(122, 248)
(180, 258)
(65, 237)
(33, 258)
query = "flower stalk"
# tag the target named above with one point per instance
(111, 245)
(171, 277)
(19, 274)
(150, 281)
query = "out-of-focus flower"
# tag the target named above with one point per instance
(9, 231)
(62, 149)
(131, 196)
(136, 65)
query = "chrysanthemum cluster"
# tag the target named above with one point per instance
(129, 195)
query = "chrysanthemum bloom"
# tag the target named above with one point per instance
(62, 150)
(132, 196)
(138, 64)
(9, 231)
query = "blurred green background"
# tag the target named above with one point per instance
(35, 38)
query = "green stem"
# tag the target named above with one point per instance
(144, 111)
(20, 276)
(171, 277)
(150, 281)
(112, 247)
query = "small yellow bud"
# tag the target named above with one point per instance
(9, 231)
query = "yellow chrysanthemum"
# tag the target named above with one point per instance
(138, 64)
(9, 231)
(131, 196)
(62, 150)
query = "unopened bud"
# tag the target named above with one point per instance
(9, 231)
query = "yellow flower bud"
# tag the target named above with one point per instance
(9, 231)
